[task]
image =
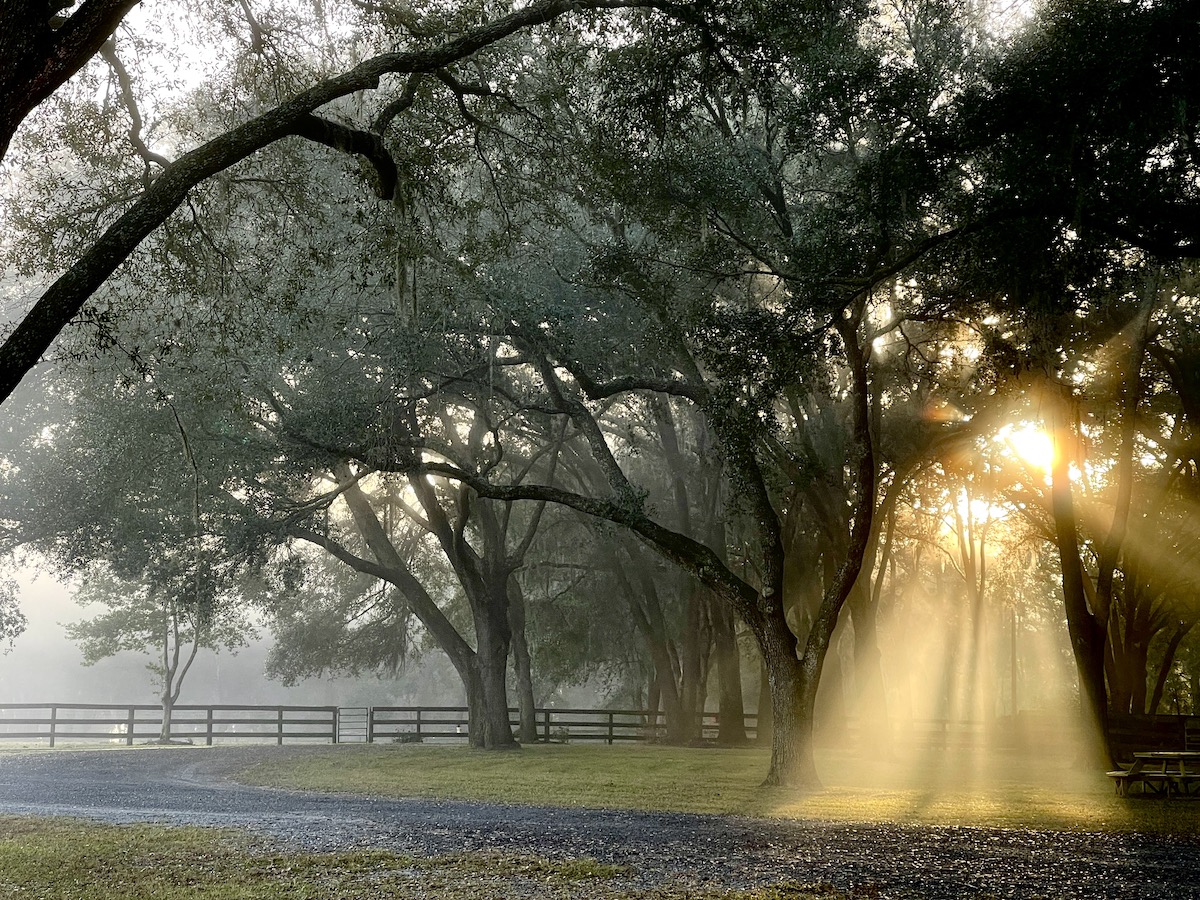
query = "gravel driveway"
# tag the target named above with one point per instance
(193, 786)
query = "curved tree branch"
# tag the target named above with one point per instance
(63, 300)
(39, 51)
(360, 143)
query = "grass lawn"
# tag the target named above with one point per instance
(59, 858)
(44, 858)
(989, 788)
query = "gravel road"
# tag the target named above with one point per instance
(193, 786)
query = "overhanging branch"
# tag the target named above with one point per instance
(63, 300)
(359, 143)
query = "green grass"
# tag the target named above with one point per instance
(56, 858)
(968, 788)
(84, 861)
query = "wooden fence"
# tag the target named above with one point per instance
(128, 723)
(55, 722)
(421, 723)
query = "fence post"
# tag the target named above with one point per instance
(545, 726)
(53, 721)
(280, 738)
(370, 724)
(208, 723)
(129, 727)
(610, 728)
(337, 722)
(418, 724)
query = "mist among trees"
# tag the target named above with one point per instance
(783, 355)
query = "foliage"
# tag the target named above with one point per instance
(154, 616)
(12, 620)
(332, 620)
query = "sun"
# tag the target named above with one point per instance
(1029, 443)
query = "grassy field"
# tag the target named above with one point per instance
(970, 788)
(57, 858)
(86, 861)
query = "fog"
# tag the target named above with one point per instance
(43, 666)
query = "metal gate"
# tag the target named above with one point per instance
(354, 725)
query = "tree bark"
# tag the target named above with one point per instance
(522, 665)
(764, 729)
(39, 54)
(493, 639)
(793, 698)
(687, 729)
(731, 711)
(1086, 633)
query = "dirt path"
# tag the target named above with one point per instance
(193, 786)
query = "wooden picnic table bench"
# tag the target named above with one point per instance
(1164, 773)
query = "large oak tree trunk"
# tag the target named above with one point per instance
(492, 643)
(792, 760)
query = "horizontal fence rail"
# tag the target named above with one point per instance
(127, 723)
(404, 724)
(57, 723)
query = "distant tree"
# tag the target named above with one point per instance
(12, 620)
(170, 614)
(141, 525)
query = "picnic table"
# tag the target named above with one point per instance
(1164, 773)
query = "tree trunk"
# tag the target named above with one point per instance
(764, 730)
(687, 729)
(492, 643)
(652, 697)
(522, 668)
(491, 721)
(479, 729)
(488, 707)
(1086, 634)
(677, 727)
(792, 761)
(871, 706)
(731, 713)
(1164, 669)
(168, 711)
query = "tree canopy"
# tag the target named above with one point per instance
(769, 290)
